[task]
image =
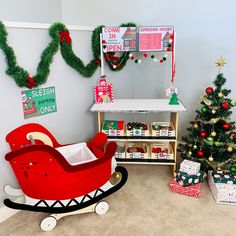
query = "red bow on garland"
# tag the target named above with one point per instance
(31, 83)
(98, 61)
(65, 35)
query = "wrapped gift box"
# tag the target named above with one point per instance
(190, 167)
(193, 191)
(185, 179)
(113, 127)
(162, 151)
(137, 129)
(162, 129)
(225, 177)
(223, 193)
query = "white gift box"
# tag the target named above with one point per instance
(190, 167)
(222, 193)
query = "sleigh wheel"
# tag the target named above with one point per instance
(48, 224)
(102, 208)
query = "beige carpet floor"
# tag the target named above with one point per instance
(144, 206)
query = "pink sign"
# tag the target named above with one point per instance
(155, 38)
(119, 39)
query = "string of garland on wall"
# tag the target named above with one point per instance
(60, 40)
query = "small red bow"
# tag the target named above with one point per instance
(65, 35)
(98, 61)
(31, 83)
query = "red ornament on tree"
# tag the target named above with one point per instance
(200, 153)
(225, 105)
(203, 134)
(209, 90)
(226, 126)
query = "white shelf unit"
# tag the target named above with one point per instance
(142, 106)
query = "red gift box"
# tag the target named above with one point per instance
(193, 191)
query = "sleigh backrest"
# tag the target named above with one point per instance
(28, 134)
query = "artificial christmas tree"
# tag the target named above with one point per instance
(211, 139)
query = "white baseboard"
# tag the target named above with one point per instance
(6, 213)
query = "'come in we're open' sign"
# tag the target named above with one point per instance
(38, 102)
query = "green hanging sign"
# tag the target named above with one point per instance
(38, 102)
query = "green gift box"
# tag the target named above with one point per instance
(186, 180)
(224, 177)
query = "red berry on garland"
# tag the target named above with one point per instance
(145, 55)
(200, 153)
(132, 57)
(225, 105)
(161, 61)
(209, 90)
(168, 49)
(203, 134)
(226, 126)
(103, 41)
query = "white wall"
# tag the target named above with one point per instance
(205, 31)
(40, 11)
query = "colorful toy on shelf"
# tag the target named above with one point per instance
(103, 91)
(137, 129)
(61, 179)
(113, 127)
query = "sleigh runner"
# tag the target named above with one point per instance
(61, 179)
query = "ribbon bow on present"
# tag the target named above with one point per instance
(65, 35)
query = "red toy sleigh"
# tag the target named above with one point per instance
(58, 178)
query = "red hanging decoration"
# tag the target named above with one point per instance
(173, 56)
(225, 105)
(65, 35)
(226, 126)
(200, 153)
(31, 83)
(203, 134)
(209, 90)
(98, 61)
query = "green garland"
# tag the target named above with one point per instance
(60, 38)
